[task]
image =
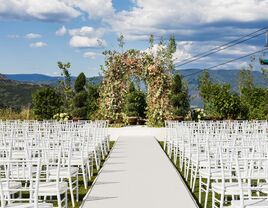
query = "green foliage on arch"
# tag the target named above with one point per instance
(154, 66)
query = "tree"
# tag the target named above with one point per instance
(65, 73)
(245, 85)
(135, 102)
(219, 100)
(253, 99)
(205, 86)
(121, 42)
(46, 103)
(226, 102)
(245, 81)
(93, 96)
(80, 98)
(65, 86)
(179, 96)
(207, 90)
(257, 103)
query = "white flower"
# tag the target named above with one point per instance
(61, 115)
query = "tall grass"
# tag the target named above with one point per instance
(11, 114)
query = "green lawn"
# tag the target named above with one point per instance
(82, 190)
(195, 194)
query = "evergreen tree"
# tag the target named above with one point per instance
(93, 96)
(179, 96)
(80, 98)
(135, 102)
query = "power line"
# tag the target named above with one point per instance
(222, 47)
(236, 59)
(227, 62)
(265, 28)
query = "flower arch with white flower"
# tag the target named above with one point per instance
(154, 66)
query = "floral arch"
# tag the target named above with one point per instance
(152, 66)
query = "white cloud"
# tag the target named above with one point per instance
(241, 50)
(86, 37)
(188, 49)
(61, 31)
(183, 51)
(91, 55)
(55, 10)
(184, 17)
(49, 10)
(33, 36)
(86, 31)
(38, 44)
(94, 8)
(86, 42)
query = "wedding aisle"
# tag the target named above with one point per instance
(138, 174)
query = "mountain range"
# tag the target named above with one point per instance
(16, 89)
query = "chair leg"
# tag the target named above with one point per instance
(96, 160)
(192, 171)
(59, 200)
(71, 191)
(84, 175)
(77, 189)
(89, 170)
(207, 192)
(213, 199)
(194, 181)
(200, 190)
(66, 200)
(175, 155)
(222, 200)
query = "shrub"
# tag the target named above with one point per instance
(46, 103)
(135, 102)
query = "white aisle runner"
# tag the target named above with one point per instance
(138, 175)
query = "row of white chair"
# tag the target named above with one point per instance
(64, 151)
(228, 158)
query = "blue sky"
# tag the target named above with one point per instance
(35, 34)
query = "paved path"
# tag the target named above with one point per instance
(138, 175)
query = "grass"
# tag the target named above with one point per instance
(117, 125)
(11, 114)
(196, 192)
(82, 190)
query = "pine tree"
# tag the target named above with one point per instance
(179, 97)
(93, 95)
(135, 102)
(80, 98)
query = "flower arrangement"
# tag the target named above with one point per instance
(198, 114)
(154, 68)
(61, 117)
